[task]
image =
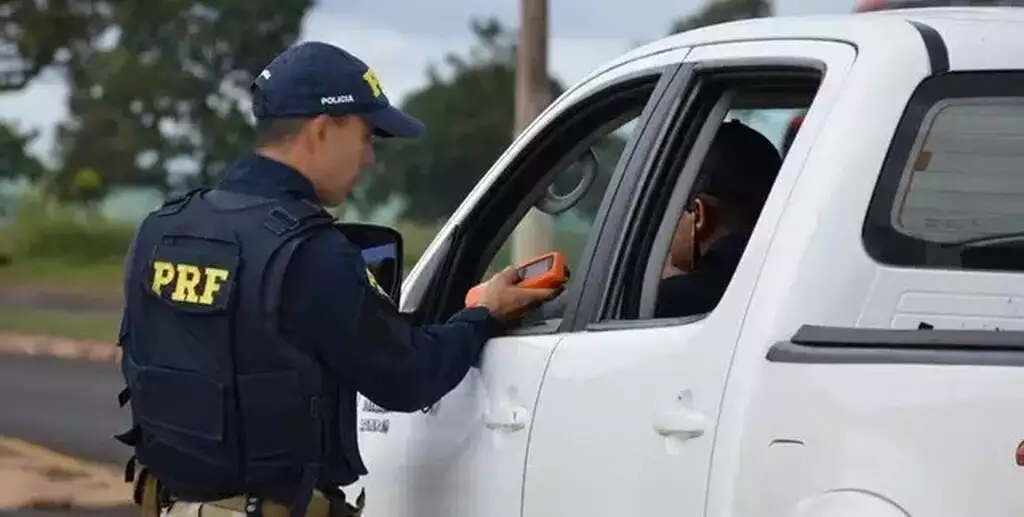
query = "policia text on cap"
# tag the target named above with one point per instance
(251, 322)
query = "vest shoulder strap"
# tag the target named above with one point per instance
(291, 216)
(282, 216)
(175, 204)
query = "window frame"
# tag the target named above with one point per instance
(474, 242)
(604, 304)
(882, 241)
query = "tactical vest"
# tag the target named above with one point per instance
(221, 404)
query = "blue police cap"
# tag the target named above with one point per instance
(315, 78)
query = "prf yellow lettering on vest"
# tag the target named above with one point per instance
(186, 278)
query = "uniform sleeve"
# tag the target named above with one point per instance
(329, 308)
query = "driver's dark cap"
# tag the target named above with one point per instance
(740, 166)
(315, 78)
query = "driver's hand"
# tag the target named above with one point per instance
(506, 301)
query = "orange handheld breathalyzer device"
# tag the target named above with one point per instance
(547, 271)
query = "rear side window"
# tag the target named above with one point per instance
(951, 193)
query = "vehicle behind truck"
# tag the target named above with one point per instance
(867, 356)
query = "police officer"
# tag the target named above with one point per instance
(251, 323)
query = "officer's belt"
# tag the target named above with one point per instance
(319, 506)
(147, 496)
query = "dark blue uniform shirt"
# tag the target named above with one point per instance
(328, 309)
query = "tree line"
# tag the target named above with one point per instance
(158, 96)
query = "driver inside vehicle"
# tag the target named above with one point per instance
(733, 184)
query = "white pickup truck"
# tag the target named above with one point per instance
(868, 341)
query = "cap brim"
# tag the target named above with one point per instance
(393, 122)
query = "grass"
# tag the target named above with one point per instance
(100, 327)
(99, 279)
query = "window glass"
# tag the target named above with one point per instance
(734, 181)
(964, 179)
(773, 123)
(572, 227)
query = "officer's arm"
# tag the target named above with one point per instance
(329, 305)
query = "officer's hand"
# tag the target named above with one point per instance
(508, 302)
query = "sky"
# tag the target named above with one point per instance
(400, 38)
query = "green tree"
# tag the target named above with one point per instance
(720, 11)
(37, 34)
(171, 93)
(469, 114)
(15, 161)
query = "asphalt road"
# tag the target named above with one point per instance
(33, 299)
(68, 406)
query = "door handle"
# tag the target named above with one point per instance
(682, 423)
(505, 418)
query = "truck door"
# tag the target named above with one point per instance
(465, 456)
(628, 411)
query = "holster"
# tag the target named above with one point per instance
(340, 507)
(148, 494)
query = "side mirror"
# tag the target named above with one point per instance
(382, 251)
(586, 167)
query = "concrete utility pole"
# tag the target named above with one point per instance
(535, 232)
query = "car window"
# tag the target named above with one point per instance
(571, 228)
(964, 179)
(589, 137)
(951, 191)
(682, 294)
(668, 268)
